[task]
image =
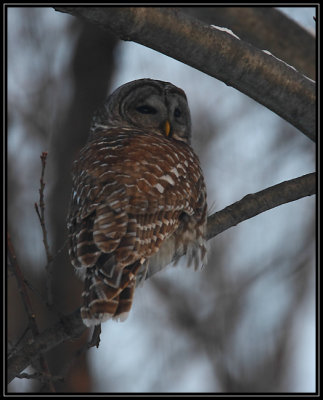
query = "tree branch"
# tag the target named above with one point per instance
(66, 328)
(256, 203)
(265, 28)
(255, 73)
(72, 326)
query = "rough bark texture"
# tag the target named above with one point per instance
(267, 29)
(255, 73)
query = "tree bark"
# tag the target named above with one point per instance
(261, 76)
(265, 28)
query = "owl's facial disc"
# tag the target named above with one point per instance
(163, 111)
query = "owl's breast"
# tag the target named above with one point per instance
(141, 172)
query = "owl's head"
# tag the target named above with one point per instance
(148, 104)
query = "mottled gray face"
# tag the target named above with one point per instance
(151, 105)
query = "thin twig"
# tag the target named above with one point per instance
(41, 216)
(40, 376)
(21, 286)
(14, 347)
(28, 307)
(38, 292)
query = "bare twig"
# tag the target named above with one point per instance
(41, 216)
(72, 326)
(12, 348)
(39, 376)
(21, 286)
(255, 73)
(28, 308)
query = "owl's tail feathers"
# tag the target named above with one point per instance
(99, 304)
(101, 301)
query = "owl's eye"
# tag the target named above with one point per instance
(177, 112)
(145, 109)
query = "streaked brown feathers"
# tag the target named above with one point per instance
(133, 189)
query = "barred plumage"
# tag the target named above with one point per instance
(137, 185)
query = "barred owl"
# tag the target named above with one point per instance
(138, 196)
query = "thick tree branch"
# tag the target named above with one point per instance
(259, 75)
(72, 326)
(265, 28)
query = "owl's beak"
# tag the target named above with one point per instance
(167, 128)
